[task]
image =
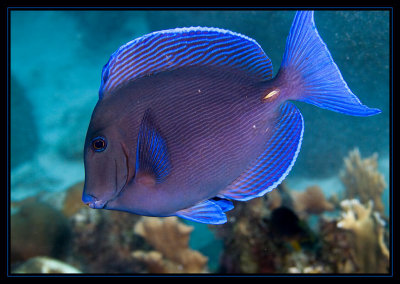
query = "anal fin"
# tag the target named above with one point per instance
(208, 211)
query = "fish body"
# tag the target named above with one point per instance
(191, 118)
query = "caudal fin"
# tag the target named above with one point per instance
(308, 59)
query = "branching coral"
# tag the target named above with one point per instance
(311, 201)
(72, 201)
(261, 235)
(103, 241)
(170, 239)
(370, 252)
(336, 250)
(362, 179)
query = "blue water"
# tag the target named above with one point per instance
(56, 58)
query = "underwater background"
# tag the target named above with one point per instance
(330, 215)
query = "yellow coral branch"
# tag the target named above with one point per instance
(362, 179)
(170, 238)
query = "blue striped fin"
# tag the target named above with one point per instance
(152, 154)
(208, 212)
(182, 47)
(323, 85)
(224, 204)
(274, 164)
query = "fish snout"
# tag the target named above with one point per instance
(92, 201)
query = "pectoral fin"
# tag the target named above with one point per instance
(152, 157)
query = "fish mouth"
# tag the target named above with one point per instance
(93, 202)
(98, 204)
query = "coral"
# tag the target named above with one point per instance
(42, 264)
(96, 241)
(370, 253)
(311, 201)
(170, 239)
(245, 250)
(103, 240)
(274, 200)
(38, 229)
(262, 234)
(307, 270)
(303, 263)
(362, 179)
(72, 200)
(336, 247)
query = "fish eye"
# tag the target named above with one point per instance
(99, 144)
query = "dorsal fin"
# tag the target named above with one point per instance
(184, 47)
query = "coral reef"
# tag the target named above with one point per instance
(305, 263)
(98, 241)
(103, 241)
(370, 252)
(336, 250)
(311, 201)
(274, 200)
(170, 238)
(271, 234)
(43, 264)
(262, 235)
(72, 200)
(354, 243)
(362, 179)
(38, 229)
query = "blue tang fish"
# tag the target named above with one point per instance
(189, 119)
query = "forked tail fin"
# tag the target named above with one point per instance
(308, 62)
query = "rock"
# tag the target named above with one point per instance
(43, 264)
